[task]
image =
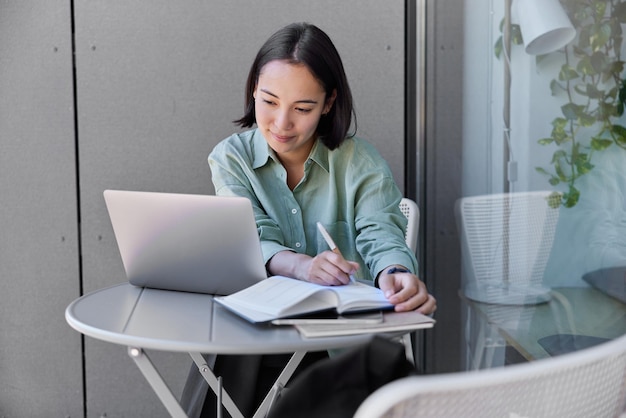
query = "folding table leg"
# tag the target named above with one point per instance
(157, 383)
(279, 384)
(216, 386)
(227, 401)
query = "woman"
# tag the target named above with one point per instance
(300, 166)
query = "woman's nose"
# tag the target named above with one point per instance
(283, 120)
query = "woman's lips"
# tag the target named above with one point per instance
(281, 138)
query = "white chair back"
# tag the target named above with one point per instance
(506, 241)
(411, 211)
(586, 383)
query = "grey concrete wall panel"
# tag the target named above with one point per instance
(40, 358)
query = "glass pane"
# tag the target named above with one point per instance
(544, 232)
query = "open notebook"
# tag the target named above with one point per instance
(283, 297)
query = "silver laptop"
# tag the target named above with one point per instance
(192, 243)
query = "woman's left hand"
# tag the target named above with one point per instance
(406, 291)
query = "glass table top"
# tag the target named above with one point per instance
(570, 319)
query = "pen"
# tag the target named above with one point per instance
(328, 239)
(331, 243)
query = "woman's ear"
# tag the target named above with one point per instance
(330, 101)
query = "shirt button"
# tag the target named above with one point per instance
(298, 245)
(294, 211)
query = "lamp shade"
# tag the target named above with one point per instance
(544, 24)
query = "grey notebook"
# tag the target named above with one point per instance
(192, 243)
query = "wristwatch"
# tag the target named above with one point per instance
(397, 270)
(392, 270)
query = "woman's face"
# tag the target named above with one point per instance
(289, 102)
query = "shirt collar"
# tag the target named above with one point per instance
(319, 154)
(261, 150)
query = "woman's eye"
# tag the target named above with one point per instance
(303, 110)
(269, 102)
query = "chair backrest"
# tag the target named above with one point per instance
(586, 383)
(411, 211)
(507, 236)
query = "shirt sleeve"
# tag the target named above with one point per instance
(233, 174)
(379, 222)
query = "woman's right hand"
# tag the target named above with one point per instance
(330, 269)
(326, 268)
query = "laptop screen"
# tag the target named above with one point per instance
(195, 243)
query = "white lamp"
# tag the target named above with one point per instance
(544, 24)
(545, 28)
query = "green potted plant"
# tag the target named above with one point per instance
(591, 81)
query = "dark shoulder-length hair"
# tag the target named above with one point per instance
(306, 44)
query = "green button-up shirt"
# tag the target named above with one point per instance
(350, 190)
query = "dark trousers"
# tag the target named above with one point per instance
(247, 379)
(336, 387)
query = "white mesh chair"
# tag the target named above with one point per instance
(410, 209)
(586, 383)
(506, 241)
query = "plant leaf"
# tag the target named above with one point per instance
(619, 134)
(599, 144)
(583, 40)
(622, 91)
(583, 166)
(558, 155)
(560, 172)
(571, 198)
(586, 119)
(559, 135)
(571, 111)
(618, 130)
(567, 73)
(592, 91)
(554, 200)
(559, 123)
(497, 48)
(606, 111)
(516, 35)
(599, 61)
(600, 36)
(556, 88)
(586, 67)
(600, 8)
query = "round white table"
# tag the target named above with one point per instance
(142, 318)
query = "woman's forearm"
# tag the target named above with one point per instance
(290, 264)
